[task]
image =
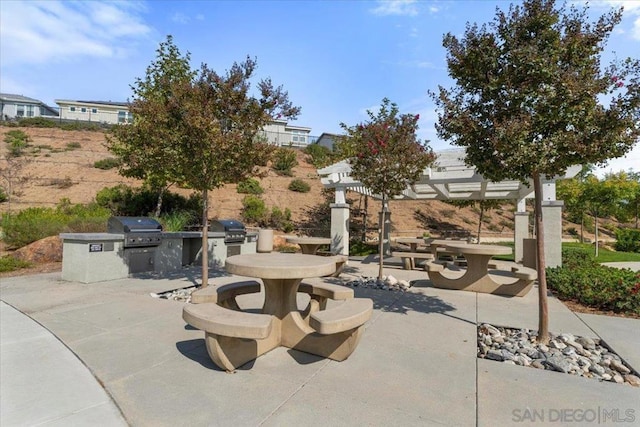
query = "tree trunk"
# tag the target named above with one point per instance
(159, 202)
(205, 238)
(480, 221)
(381, 236)
(595, 218)
(365, 218)
(582, 228)
(543, 311)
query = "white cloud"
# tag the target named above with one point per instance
(630, 161)
(396, 7)
(41, 31)
(180, 18)
(631, 11)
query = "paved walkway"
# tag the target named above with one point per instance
(416, 363)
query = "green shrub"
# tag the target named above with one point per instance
(320, 155)
(284, 160)
(33, 224)
(3, 195)
(597, 286)
(9, 263)
(357, 248)
(38, 122)
(250, 186)
(254, 210)
(178, 221)
(299, 186)
(72, 146)
(127, 201)
(18, 141)
(627, 240)
(281, 220)
(106, 164)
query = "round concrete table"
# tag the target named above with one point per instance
(281, 273)
(414, 242)
(476, 277)
(309, 245)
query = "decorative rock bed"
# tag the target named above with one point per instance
(388, 283)
(565, 353)
(182, 294)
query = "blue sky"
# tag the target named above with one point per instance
(335, 58)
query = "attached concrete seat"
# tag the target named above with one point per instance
(350, 314)
(225, 295)
(524, 273)
(408, 258)
(320, 292)
(215, 319)
(434, 266)
(326, 290)
(341, 261)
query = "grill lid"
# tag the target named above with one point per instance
(133, 224)
(227, 225)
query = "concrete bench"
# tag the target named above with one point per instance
(225, 295)
(232, 337)
(341, 261)
(408, 258)
(434, 266)
(215, 319)
(351, 314)
(319, 293)
(478, 281)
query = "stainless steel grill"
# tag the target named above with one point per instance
(234, 231)
(138, 231)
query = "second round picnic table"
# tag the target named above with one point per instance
(309, 245)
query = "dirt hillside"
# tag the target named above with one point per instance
(60, 164)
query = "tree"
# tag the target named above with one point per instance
(529, 96)
(142, 147)
(483, 206)
(599, 198)
(206, 124)
(386, 156)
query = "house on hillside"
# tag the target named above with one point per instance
(95, 111)
(328, 140)
(19, 106)
(279, 133)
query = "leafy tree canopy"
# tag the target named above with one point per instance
(530, 93)
(384, 152)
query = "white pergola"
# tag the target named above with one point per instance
(451, 179)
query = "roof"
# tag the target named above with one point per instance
(19, 98)
(449, 179)
(111, 103)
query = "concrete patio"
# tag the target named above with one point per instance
(136, 362)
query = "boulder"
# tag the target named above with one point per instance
(44, 250)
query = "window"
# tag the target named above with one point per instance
(94, 111)
(29, 110)
(72, 109)
(83, 110)
(298, 136)
(20, 110)
(125, 117)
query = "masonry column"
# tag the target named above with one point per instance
(552, 223)
(521, 230)
(384, 220)
(340, 223)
